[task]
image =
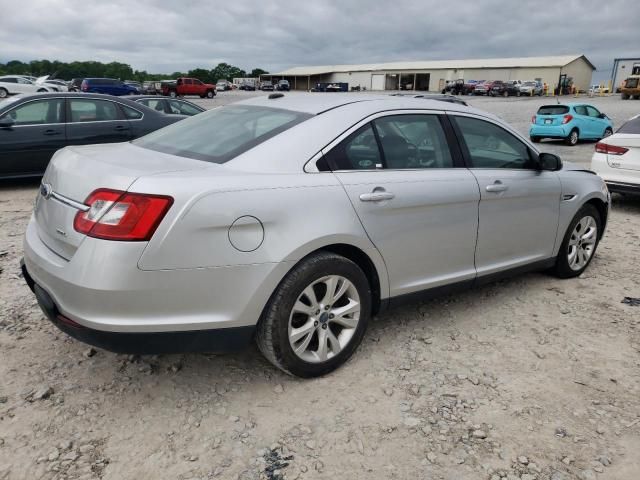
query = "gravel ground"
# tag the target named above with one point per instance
(532, 378)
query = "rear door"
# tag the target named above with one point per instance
(38, 131)
(92, 120)
(418, 206)
(519, 205)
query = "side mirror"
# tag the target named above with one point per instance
(602, 115)
(549, 162)
(6, 122)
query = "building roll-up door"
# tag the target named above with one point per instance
(377, 81)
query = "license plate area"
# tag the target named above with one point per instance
(548, 121)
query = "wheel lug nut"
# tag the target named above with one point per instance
(315, 324)
(324, 326)
(326, 307)
(317, 311)
(331, 315)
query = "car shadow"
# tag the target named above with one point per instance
(626, 202)
(12, 183)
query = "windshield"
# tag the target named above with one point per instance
(221, 134)
(632, 126)
(553, 110)
(631, 82)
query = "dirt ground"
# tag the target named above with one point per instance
(532, 378)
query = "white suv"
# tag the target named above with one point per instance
(13, 84)
(617, 158)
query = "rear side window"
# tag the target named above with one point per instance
(39, 112)
(491, 146)
(553, 110)
(405, 142)
(154, 104)
(221, 134)
(92, 110)
(182, 108)
(632, 126)
(359, 151)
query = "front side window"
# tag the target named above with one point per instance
(24, 81)
(581, 110)
(92, 110)
(491, 146)
(153, 104)
(9, 80)
(131, 113)
(39, 112)
(592, 111)
(182, 108)
(221, 134)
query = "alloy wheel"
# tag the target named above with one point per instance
(582, 243)
(324, 318)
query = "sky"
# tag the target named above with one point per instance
(163, 36)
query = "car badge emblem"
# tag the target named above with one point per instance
(46, 190)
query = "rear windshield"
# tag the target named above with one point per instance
(553, 110)
(632, 126)
(221, 134)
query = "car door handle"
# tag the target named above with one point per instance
(120, 128)
(52, 132)
(376, 196)
(498, 186)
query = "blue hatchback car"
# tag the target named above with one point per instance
(571, 122)
(109, 86)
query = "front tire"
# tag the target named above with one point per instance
(173, 94)
(607, 132)
(580, 243)
(316, 317)
(3, 93)
(572, 138)
(210, 94)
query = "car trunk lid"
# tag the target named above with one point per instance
(75, 172)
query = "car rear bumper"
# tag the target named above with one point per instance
(554, 131)
(212, 340)
(108, 300)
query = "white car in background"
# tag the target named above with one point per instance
(617, 158)
(597, 90)
(14, 84)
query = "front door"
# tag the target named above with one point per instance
(37, 132)
(418, 207)
(95, 121)
(519, 205)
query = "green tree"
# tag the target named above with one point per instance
(256, 72)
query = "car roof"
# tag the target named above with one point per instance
(316, 103)
(95, 96)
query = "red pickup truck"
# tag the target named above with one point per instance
(188, 86)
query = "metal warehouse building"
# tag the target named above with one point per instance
(432, 75)
(622, 68)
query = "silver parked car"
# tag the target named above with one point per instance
(293, 220)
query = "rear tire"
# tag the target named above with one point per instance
(173, 94)
(210, 94)
(624, 96)
(3, 93)
(580, 243)
(275, 332)
(573, 138)
(535, 139)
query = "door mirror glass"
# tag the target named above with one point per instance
(6, 122)
(602, 115)
(549, 162)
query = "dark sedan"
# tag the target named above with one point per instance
(33, 127)
(170, 106)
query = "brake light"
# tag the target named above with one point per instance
(533, 119)
(83, 86)
(602, 147)
(567, 118)
(123, 216)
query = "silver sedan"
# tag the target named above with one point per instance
(293, 219)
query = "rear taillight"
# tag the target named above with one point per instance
(602, 147)
(83, 86)
(117, 215)
(533, 119)
(567, 118)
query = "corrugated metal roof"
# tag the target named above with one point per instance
(531, 62)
